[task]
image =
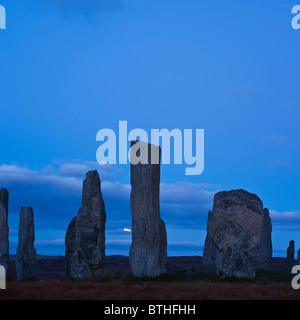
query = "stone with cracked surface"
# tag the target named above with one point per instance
(4, 229)
(70, 246)
(26, 253)
(290, 256)
(148, 252)
(88, 259)
(265, 248)
(238, 235)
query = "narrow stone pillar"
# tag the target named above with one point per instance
(4, 230)
(70, 246)
(26, 253)
(148, 252)
(290, 256)
(265, 248)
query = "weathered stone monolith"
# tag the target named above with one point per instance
(290, 256)
(70, 246)
(88, 260)
(210, 250)
(237, 239)
(26, 253)
(148, 252)
(4, 197)
(265, 248)
(4, 230)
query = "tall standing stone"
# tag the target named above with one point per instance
(4, 230)
(290, 256)
(70, 246)
(210, 249)
(265, 248)
(26, 253)
(88, 260)
(4, 197)
(148, 252)
(235, 234)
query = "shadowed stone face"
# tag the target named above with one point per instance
(265, 248)
(26, 253)
(238, 235)
(4, 195)
(148, 252)
(85, 238)
(70, 245)
(290, 256)
(4, 230)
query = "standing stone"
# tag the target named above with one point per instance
(88, 260)
(70, 246)
(290, 256)
(148, 252)
(265, 249)
(26, 254)
(4, 230)
(210, 250)
(234, 235)
(4, 196)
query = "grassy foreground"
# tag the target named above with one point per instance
(119, 286)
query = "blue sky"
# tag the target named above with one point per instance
(70, 68)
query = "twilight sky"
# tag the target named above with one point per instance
(69, 68)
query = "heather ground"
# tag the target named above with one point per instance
(119, 284)
(119, 290)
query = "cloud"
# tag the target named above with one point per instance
(285, 221)
(281, 139)
(286, 216)
(73, 169)
(52, 191)
(275, 139)
(185, 204)
(180, 192)
(12, 175)
(78, 169)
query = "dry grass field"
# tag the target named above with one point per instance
(119, 284)
(118, 290)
